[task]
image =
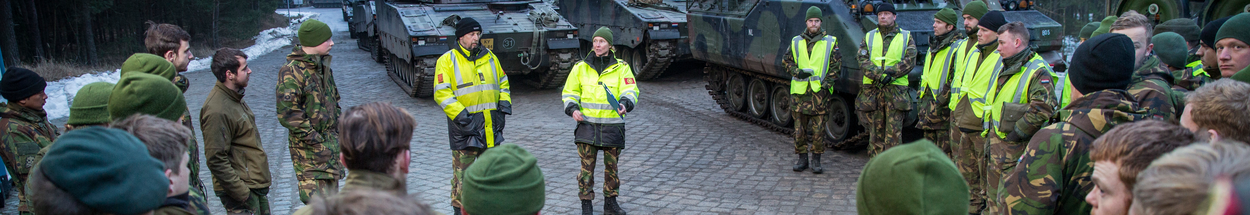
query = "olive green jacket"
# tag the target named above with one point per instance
(232, 146)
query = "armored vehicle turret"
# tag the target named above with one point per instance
(649, 34)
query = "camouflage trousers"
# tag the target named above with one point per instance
(809, 133)
(23, 204)
(586, 179)
(317, 167)
(941, 138)
(969, 155)
(1003, 156)
(257, 203)
(460, 160)
(885, 129)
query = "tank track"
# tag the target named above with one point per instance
(716, 76)
(416, 79)
(561, 63)
(660, 54)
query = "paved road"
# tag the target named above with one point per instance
(684, 155)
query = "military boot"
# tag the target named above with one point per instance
(610, 207)
(587, 209)
(802, 163)
(816, 164)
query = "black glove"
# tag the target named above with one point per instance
(505, 107)
(629, 105)
(572, 107)
(1013, 137)
(803, 73)
(463, 119)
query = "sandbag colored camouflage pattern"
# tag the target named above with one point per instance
(882, 105)
(1152, 88)
(307, 105)
(934, 114)
(1053, 175)
(586, 178)
(24, 133)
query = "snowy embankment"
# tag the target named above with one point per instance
(61, 93)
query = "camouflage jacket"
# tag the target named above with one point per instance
(934, 108)
(1152, 88)
(1186, 79)
(182, 82)
(25, 133)
(1053, 175)
(308, 99)
(879, 75)
(1042, 101)
(814, 102)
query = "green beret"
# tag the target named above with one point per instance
(1235, 28)
(1185, 27)
(313, 33)
(605, 33)
(814, 12)
(140, 93)
(106, 169)
(1171, 49)
(913, 178)
(976, 9)
(90, 105)
(1088, 30)
(948, 16)
(1105, 27)
(150, 64)
(1242, 76)
(504, 180)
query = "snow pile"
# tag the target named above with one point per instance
(61, 93)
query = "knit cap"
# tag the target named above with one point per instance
(605, 33)
(1208, 31)
(1237, 27)
(150, 64)
(1182, 26)
(976, 9)
(141, 93)
(467, 25)
(106, 169)
(948, 16)
(1104, 27)
(313, 33)
(1103, 62)
(813, 12)
(20, 83)
(913, 178)
(90, 105)
(993, 20)
(1171, 49)
(1088, 30)
(505, 180)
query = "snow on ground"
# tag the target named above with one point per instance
(61, 93)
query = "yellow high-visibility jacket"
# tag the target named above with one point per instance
(474, 93)
(584, 91)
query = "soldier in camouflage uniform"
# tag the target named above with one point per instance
(809, 106)
(24, 128)
(1010, 124)
(1191, 75)
(935, 98)
(1053, 174)
(173, 43)
(308, 106)
(967, 145)
(1152, 81)
(883, 100)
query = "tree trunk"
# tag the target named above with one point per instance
(216, 19)
(8, 36)
(32, 20)
(88, 34)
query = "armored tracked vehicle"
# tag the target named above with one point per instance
(649, 34)
(743, 42)
(326, 3)
(362, 27)
(1159, 11)
(529, 37)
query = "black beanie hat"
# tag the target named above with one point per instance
(1103, 62)
(886, 7)
(1208, 32)
(466, 26)
(993, 20)
(20, 83)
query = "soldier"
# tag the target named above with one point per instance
(1171, 49)
(813, 63)
(1206, 49)
(969, 91)
(474, 93)
(232, 145)
(1233, 51)
(1052, 177)
(905, 177)
(375, 148)
(599, 92)
(524, 191)
(173, 44)
(1192, 74)
(934, 84)
(1022, 102)
(886, 56)
(24, 127)
(1121, 154)
(1181, 181)
(1217, 111)
(308, 106)
(90, 107)
(1104, 26)
(1152, 85)
(98, 170)
(166, 141)
(1087, 31)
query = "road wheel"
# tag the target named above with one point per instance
(757, 98)
(781, 106)
(735, 90)
(638, 61)
(840, 120)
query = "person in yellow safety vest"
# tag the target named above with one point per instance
(473, 90)
(1189, 75)
(599, 91)
(813, 62)
(1021, 103)
(887, 55)
(975, 67)
(935, 83)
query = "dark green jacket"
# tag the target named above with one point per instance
(232, 146)
(1053, 175)
(1152, 88)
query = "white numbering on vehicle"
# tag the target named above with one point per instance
(1045, 33)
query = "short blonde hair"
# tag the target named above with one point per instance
(1180, 181)
(1222, 105)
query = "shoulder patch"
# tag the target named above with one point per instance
(629, 80)
(440, 78)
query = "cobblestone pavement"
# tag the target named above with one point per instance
(684, 154)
